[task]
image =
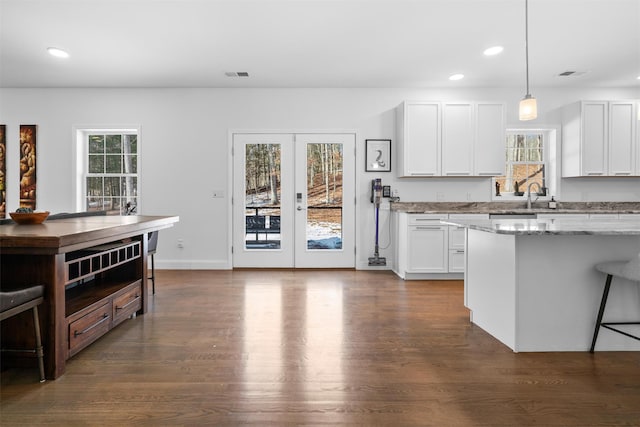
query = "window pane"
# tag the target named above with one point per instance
(96, 144)
(112, 186)
(129, 184)
(262, 196)
(96, 163)
(94, 186)
(130, 164)
(114, 164)
(324, 196)
(130, 144)
(114, 144)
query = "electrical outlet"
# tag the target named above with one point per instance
(180, 243)
(468, 197)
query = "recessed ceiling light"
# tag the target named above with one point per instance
(456, 77)
(57, 52)
(493, 50)
(236, 74)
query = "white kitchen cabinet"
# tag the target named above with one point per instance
(427, 244)
(489, 140)
(457, 242)
(422, 245)
(599, 138)
(419, 139)
(622, 138)
(633, 217)
(562, 216)
(457, 139)
(450, 139)
(473, 139)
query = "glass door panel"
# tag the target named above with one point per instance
(324, 196)
(262, 196)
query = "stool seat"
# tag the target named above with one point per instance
(14, 301)
(11, 298)
(629, 270)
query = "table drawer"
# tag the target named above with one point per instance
(89, 327)
(127, 302)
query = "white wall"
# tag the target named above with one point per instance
(184, 147)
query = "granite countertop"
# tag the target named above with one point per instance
(515, 207)
(551, 226)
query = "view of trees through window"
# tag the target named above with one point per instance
(525, 164)
(112, 173)
(263, 191)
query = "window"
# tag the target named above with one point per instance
(526, 165)
(109, 161)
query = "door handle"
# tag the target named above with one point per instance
(300, 208)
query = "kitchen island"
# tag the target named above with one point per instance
(94, 270)
(532, 284)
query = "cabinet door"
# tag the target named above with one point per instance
(421, 139)
(594, 138)
(490, 140)
(622, 138)
(457, 139)
(428, 249)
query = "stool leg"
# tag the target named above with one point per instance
(153, 275)
(39, 350)
(603, 303)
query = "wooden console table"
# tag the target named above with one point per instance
(94, 270)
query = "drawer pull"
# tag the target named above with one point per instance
(129, 303)
(426, 227)
(105, 316)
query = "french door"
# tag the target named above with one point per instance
(294, 200)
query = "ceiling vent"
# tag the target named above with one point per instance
(236, 74)
(572, 73)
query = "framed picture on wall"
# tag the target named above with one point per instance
(378, 155)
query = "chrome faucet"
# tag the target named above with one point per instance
(529, 193)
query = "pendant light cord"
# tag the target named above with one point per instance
(526, 40)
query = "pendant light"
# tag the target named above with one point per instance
(528, 105)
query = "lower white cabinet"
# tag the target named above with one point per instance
(422, 244)
(425, 248)
(457, 242)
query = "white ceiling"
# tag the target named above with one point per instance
(317, 43)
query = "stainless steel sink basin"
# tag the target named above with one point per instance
(513, 216)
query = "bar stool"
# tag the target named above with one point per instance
(629, 270)
(15, 301)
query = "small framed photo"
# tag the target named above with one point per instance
(378, 155)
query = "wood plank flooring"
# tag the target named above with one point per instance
(282, 348)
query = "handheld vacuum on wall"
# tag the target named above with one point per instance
(376, 196)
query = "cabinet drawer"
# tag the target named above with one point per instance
(456, 261)
(127, 302)
(426, 219)
(89, 327)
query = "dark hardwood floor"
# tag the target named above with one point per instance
(318, 348)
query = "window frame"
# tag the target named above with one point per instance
(82, 134)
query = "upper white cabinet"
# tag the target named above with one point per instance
(599, 138)
(451, 139)
(457, 139)
(489, 150)
(419, 138)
